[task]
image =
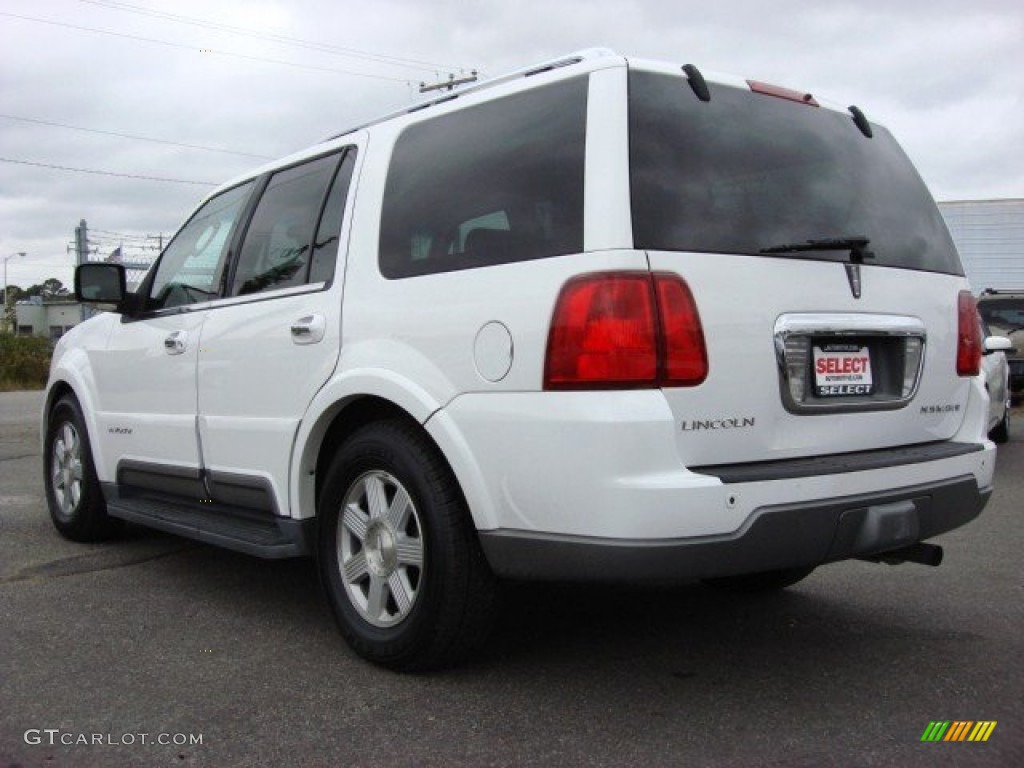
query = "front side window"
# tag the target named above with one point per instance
(277, 247)
(489, 184)
(191, 266)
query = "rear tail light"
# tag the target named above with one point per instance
(625, 330)
(686, 360)
(969, 341)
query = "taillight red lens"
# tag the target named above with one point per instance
(969, 341)
(621, 330)
(603, 334)
(686, 360)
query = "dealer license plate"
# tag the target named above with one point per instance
(842, 370)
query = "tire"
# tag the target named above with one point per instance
(398, 555)
(73, 493)
(1001, 432)
(767, 581)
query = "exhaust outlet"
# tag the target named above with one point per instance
(925, 554)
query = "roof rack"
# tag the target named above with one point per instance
(536, 69)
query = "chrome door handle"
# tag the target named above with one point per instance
(175, 344)
(309, 329)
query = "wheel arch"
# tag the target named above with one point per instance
(339, 411)
(66, 382)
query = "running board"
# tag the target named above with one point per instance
(254, 533)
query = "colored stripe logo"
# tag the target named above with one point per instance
(958, 730)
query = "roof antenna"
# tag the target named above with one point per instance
(697, 82)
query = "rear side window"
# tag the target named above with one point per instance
(745, 172)
(490, 184)
(278, 244)
(328, 232)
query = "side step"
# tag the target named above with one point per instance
(261, 534)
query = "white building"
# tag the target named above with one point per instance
(52, 318)
(990, 237)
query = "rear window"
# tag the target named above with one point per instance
(1007, 314)
(744, 172)
(490, 184)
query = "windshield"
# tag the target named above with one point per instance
(745, 173)
(1008, 314)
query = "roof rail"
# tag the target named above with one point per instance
(569, 60)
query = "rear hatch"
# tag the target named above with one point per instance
(825, 279)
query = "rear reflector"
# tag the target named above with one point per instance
(969, 341)
(625, 330)
(782, 93)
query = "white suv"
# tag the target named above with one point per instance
(604, 319)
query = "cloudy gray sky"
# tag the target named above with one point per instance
(266, 77)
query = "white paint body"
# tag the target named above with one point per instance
(463, 354)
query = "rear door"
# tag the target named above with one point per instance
(273, 342)
(845, 344)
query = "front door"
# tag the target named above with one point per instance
(146, 373)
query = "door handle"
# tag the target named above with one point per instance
(175, 344)
(309, 329)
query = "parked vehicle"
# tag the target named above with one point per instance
(996, 372)
(604, 319)
(1004, 313)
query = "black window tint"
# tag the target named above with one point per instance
(746, 171)
(276, 249)
(1008, 314)
(325, 245)
(494, 183)
(192, 264)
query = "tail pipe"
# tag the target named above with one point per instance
(925, 554)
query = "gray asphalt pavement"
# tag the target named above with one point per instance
(117, 647)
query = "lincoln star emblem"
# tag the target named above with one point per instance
(853, 275)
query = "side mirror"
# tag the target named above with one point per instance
(998, 344)
(101, 285)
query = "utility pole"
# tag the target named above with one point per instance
(82, 253)
(82, 242)
(448, 84)
(3, 318)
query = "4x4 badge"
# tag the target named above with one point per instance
(853, 275)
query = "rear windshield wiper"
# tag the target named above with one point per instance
(856, 245)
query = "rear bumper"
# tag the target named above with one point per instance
(773, 537)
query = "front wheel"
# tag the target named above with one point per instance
(399, 558)
(73, 493)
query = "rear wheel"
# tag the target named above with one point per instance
(73, 492)
(399, 557)
(767, 581)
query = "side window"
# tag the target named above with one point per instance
(489, 184)
(325, 245)
(276, 251)
(191, 266)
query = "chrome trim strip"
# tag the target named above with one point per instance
(849, 324)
